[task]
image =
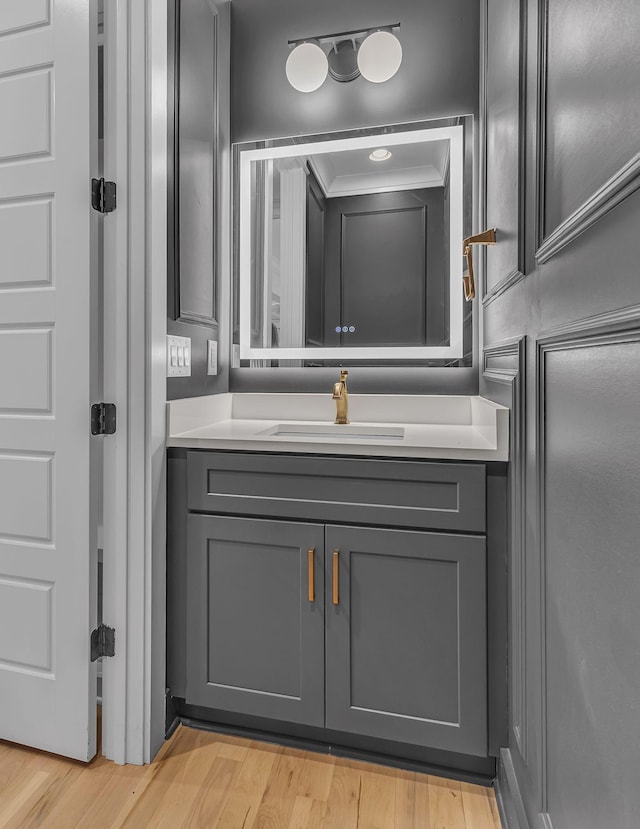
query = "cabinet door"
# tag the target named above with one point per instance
(406, 642)
(255, 635)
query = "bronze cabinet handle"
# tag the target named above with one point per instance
(336, 576)
(311, 589)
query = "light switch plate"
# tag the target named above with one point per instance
(178, 356)
(212, 357)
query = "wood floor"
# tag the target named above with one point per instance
(212, 781)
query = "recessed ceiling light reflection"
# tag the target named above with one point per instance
(380, 155)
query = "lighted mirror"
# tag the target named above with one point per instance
(349, 248)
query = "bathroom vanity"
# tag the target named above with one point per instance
(337, 574)
(331, 583)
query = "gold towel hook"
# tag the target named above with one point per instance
(488, 237)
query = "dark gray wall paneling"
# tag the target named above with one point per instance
(502, 99)
(176, 573)
(198, 135)
(587, 156)
(509, 798)
(196, 167)
(504, 380)
(590, 479)
(438, 76)
(362, 380)
(590, 97)
(575, 318)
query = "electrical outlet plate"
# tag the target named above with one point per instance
(178, 356)
(212, 357)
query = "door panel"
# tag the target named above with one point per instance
(47, 549)
(264, 654)
(385, 269)
(23, 14)
(314, 278)
(406, 644)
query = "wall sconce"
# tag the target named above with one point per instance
(488, 237)
(376, 54)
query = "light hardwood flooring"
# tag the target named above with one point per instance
(212, 781)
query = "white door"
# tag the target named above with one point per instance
(47, 548)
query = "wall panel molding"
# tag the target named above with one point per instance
(508, 795)
(624, 182)
(621, 185)
(505, 363)
(540, 127)
(192, 166)
(517, 272)
(609, 322)
(503, 286)
(610, 328)
(501, 361)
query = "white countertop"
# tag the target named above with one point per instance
(417, 426)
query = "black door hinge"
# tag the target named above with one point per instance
(103, 419)
(103, 642)
(103, 195)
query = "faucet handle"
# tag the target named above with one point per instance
(343, 375)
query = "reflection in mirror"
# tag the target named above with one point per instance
(348, 249)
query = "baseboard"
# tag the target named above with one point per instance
(350, 752)
(508, 794)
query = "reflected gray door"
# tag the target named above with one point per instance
(255, 639)
(386, 279)
(406, 643)
(314, 282)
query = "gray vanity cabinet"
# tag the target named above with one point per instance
(406, 638)
(255, 633)
(342, 593)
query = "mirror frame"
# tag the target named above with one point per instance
(454, 351)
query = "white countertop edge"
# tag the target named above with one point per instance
(361, 449)
(479, 427)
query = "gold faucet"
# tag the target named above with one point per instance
(341, 396)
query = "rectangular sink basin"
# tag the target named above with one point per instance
(334, 431)
(448, 427)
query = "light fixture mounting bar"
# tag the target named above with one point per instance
(356, 34)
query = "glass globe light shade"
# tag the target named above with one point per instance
(379, 56)
(307, 67)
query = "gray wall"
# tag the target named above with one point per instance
(438, 76)
(197, 300)
(561, 334)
